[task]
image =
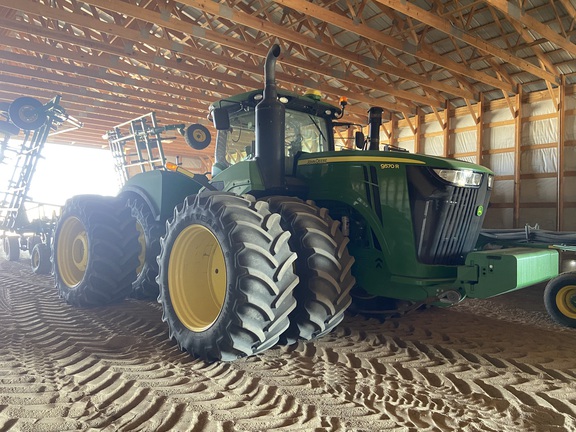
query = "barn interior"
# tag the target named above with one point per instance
(488, 82)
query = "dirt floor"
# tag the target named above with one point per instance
(493, 365)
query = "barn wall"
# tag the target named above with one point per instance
(523, 153)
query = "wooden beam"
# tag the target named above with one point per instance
(173, 97)
(221, 10)
(181, 49)
(439, 118)
(116, 60)
(569, 8)
(435, 21)
(561, 156)
(480, 130)
(552, 94)
(418, 134)
(423, 52)
(472, 112)
(152, 103)
(510, 104)
(394, 131)
(197, 31)
(446, 148)
(517, 156)
(386, 131)
(514, 13)
(409, 121)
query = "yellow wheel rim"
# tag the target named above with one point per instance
(566, 301)
(199, 135)
(72, 255)
(197, 278)
(142, 241)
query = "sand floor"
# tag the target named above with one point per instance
(493, 365)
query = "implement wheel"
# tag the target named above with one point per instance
(95, 250)
(40, 259)
(226, 277)
(27, 113)
(149, 233)
(12, 248)
(323, 266)
(560, 299)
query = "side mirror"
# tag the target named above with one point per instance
(197, 136)
(359, 140)
(221, 119)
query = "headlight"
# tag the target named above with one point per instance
(460, 177)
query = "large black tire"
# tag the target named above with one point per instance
(323, 266)
(12, 248)
(560, 299)
(96, 250)
(150, 231)
(40, 259)
(226, 276)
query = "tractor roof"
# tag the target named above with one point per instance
(293, 101)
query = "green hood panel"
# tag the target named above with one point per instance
(386, 159)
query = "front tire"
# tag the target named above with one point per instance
(226, 277)
(560, 299)
(95, 251)
(323, 266)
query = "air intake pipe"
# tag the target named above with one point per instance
(270, 126)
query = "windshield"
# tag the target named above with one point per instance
(304, 132)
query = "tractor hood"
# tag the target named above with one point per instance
(386, 158)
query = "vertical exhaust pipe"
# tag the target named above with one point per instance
(270, 127)
(375, 121)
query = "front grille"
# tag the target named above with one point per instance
(445, 221)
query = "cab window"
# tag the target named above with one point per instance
(304, 132)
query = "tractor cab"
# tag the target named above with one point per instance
(307, 128)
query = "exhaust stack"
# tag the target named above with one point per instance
(375, 121)
(270, 126)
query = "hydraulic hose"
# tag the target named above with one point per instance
(531, 234)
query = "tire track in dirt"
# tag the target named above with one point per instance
(114, 369)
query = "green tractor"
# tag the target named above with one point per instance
(276, 246)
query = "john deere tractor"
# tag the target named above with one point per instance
(288, 232)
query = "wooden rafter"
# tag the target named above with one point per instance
(450, 29)
(111, 59)
(514, 13)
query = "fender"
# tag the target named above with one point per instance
(162, 191)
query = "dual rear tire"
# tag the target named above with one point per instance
(95, 251)
(323, 265)
(235, 275)
(238, 276)
(226, 277)
(150, 230)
